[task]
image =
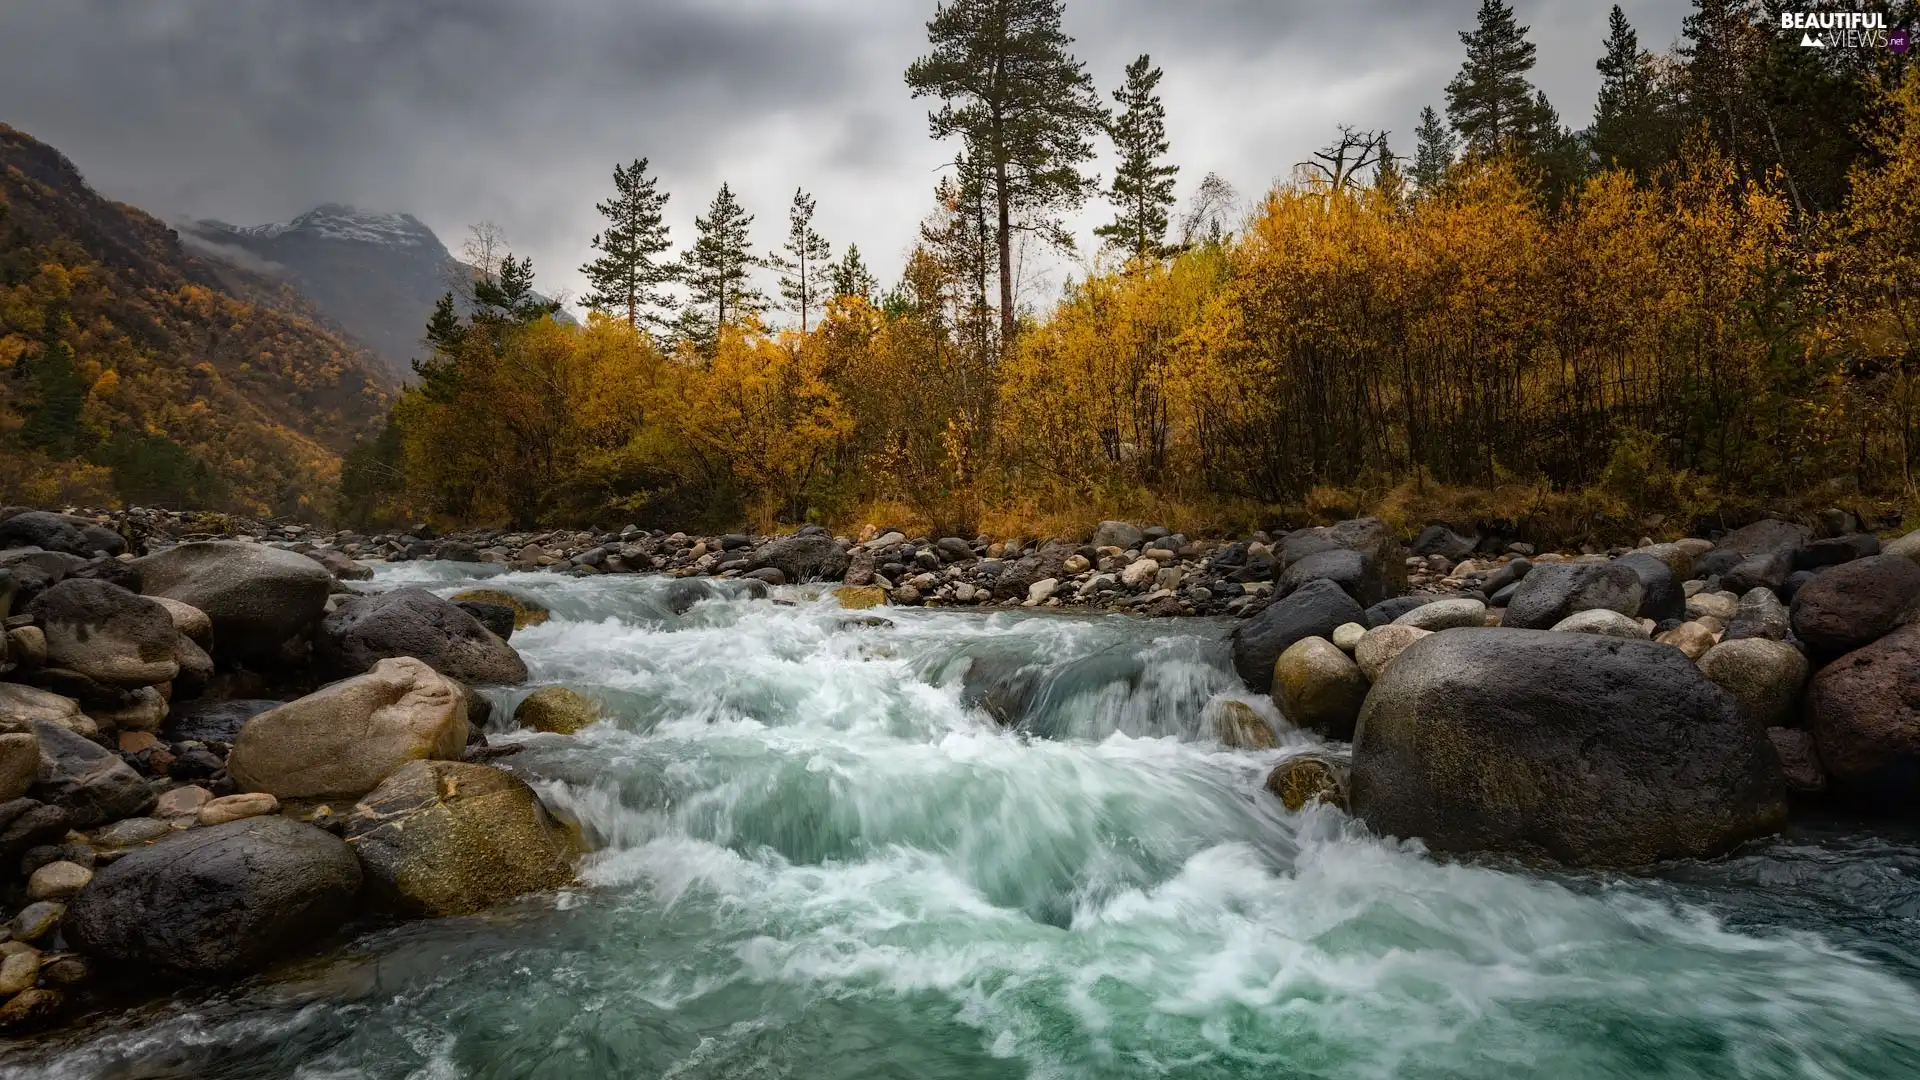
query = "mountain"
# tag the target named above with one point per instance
(134, 369)
(377, 275)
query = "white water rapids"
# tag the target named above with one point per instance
(816, 861)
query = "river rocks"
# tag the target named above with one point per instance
(1239, 725)
(1603, 622)
(1139, 572)
(1379, 646)
(1864, 712)
(448, 838)
(497, 618)
(1118, 534)
(1442, 541)
(1356, 572)
(58, 532)
(1313, 610)
(342, 567)
(1693, 639)
(21, 705)
(36, 920)
(57, 881)
(19, 762)
(556, 710)
(1799, 761)
(803, 557)
(90, 783)
(1369, 536)
(1907, 547)
(1716, 605)
(414, 622)
(217, 901)
(182, 802)
(106, 633)
(213, 721)
(1766, 537)
(257, 597)
(1588, 750)
(19, 971)
(1550, 593)
(1347, 636)
(1764, 676)
(343, 739)
(1318, 687)
(1309, 778)
(860, 597)
(27, 823)
(1835, 550)
(526, 610)
(237, 808)
(1760, 614)
(1767, 570)
(1661, 596)
(1853, 605)
(1446, 614)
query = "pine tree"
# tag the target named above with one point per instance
(1142, 184)
(627, 276)
(850, 276)
(808, 255)
(1719, 44)
(507, 294)
(1433, 151)
(717, 271)
(1490, 102)
(1024, 109)
(1388, 178)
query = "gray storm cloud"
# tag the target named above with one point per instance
(466, 110)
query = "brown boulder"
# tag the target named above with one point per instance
(1864, 712)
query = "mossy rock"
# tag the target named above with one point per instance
(557, 711)
(1308, 779)
(1238, 725)
(526, 612)
(860, 597)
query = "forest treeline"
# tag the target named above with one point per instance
(1700, 301)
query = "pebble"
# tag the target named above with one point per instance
(132, 742)
(57, 881)
(132, 832)
(19, 971)
(235, 807)
(1347, 636)
(36, 920)
(182, 802)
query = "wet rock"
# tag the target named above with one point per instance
(1661, 597)
(37, 920)
(1309, 778)
(237, 808)
(556, 710)
(132, 832)
(416, 623)
(213, 721)
(57, 881)
(19, 971)
(1313, 610)
(1550, 593)
(31, 1010)
(1836, 550)
(182, 802)
(860, 597)
(1764, 676)
(447, 838)
(106, 633)
(26, 646)
(495, 617)
(58, 532)
(771, 575)
(1760, 614)
(1589, 750)
(86, 780)
(1799, 761)
(1855, 604)
(526, 610)
(1603, 622)
(29, 823)
(1691, 638)
(342, 567)
(1446, 614)
(1387, 611)
(1864, 712)
(257, 597)
(19, 763)
(343, 739)
(141, 710)
(1379, 646)
(803, 557)
(1319, 688)
(217, 901)
(1240, 726)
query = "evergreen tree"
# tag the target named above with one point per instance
(1142, 184)
(1432, 152)
(627, 276)
(53, 420)
(717, 271)
(1490, 102)
(1719, 42)
(1024, 109)
(850, 276)
(1630, 129)
(808, 256)
(507, 295)
(1388, 178)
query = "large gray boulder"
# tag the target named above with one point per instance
(1766, 537)
(416, 623)
(1551, 592)
(58, 532)
(1661, 594)
(1313, 610)
(1118, 534)
(1369, 536)
(1357, 572)
(89, 782)
(1855, 604)
(1591, 750)
(257, 597)
(108, 634)
(217, 901)
(803, 557)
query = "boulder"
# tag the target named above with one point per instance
(1379, 646)
(1715, 605)
(860, 597)
(1589, 750)
(803, 557)
(1386, 611)
(448, 838)
(1118, 534)
(1369, 536)
(1766, 537)
(89, 782)
(1864, 712)
(1446, 614)
(1319, 688)
(1907, 547)
(189, 620)
(1760, 614)
(1799, 761)
(257, 597)
(1765, 676)
(1442, 541)
(213, 721)
(1239, 725)
(1854, 604)
(19, 763)
(1767, 570)
(1354, 571)
(414, 622)
(237, 808)
(102, 631)
(217, 901)
(556, 710)
(1836, 550)
(1309, 778)
(1551, 592)
(29, 823)
(1676, 557)
(58, 532)
(495, 617)
(1603, 622)
(526, 610)
(340, 566)
(1347, 636)
(343, 739)
(1661, 595)
(1313, 610)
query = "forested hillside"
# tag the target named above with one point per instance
(132, 371)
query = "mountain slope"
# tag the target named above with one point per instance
(132, 368)
(377, 275)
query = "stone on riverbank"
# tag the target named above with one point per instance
(414, 622)
(1864, 712)
(1314, 610)
(1551, 592)
(1319, 688)
(257, 597)
(1764, 676)
(556, 710)
(102, 631)
(90, 783)
(526, 610)
(803, 557)
(1855, 604)
(1239, 725)
(1379, 646)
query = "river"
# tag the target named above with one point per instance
(814, 861)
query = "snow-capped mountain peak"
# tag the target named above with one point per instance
(343, 223)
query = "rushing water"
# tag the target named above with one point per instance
(816, 860)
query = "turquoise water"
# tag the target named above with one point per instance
(815, 860)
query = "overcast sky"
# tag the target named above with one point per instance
(514, 111)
